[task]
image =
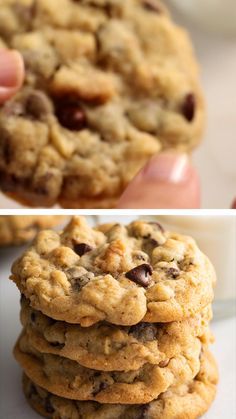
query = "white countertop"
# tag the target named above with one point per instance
(12, 402)
(215, 158)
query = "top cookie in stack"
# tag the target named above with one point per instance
(116, 315)
(120, 274)
(108, 84)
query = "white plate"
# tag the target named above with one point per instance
(12, 401)
(216, 157)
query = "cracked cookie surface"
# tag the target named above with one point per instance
(120, 274)
(67, 378)
(18, 229)
(108, 347)
(108, 84)
(189, 400)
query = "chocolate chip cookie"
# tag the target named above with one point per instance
(108, 84)
(18, 229)
(106, 347)
(115, 273)
(67, 378)
(184, 401)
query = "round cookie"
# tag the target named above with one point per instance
(18, 229)
(69, 379)
(108, 84)
(188, 401)
(107, 347)
(120, 274)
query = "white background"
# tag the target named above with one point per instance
(12, 403)
(216, 157)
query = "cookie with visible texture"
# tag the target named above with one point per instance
(67, 378)
(120, 274)
(107, 347)
(108, 84)
(18, 229)
(187, 401)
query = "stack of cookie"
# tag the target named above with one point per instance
(115, 323)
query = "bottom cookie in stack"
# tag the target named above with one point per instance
(189, 400)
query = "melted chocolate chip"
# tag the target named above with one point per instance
(140, 256)
(10, 183)
(149, 244)
(70, 115)
(78, 278)
(140, 274)
(189, 107)
(102, 386)
(32, 391)
(82, 248)
(48, 405)
(57, 345)
(33, 317)
(145, 332)
(164, 364)
(158, 225)
(143, 409)
(174, 272)
(153, 242)
(152, 5)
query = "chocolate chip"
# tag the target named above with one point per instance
(82, 248)
(48, 406)
(140, 274)
(9, 182)
(57, 345)
(140, 256)
(149, 244)
(70, 114)
(79, 277)
(33, 317)
(152, 5)
(142, 411)
(32, 391)
(189, 107)
(37, 105)
(174, 272)
(145, 332)
(164, 364)
(102, 386)
(153, 242)
(158, 225)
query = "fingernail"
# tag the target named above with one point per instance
(11, 68)
(167, 167)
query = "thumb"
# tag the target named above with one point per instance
(167, 181)
(11, 73)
